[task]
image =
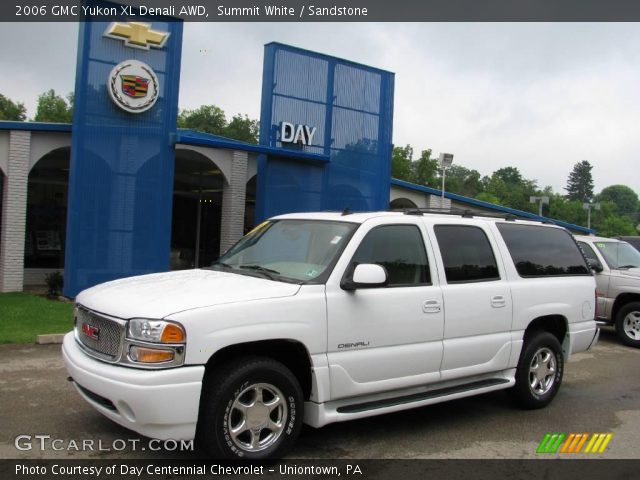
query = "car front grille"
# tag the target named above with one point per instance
(100, 336)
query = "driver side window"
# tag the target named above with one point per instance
(400, 250)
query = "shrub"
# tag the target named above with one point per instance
(55, 282)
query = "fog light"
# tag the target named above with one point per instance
(149, 355)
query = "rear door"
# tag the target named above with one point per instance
(477, 299)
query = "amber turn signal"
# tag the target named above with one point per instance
(173, 333)
(149, 355)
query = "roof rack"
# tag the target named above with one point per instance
(465, 213)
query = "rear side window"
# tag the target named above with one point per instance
(400, 250)
(543, 251)
(588, 251)
(466, 253)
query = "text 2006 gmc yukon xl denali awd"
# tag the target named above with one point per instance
(322, 317)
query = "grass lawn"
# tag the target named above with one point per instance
(23, 316)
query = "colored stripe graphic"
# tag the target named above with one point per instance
(573, 443)
(550, 443)
(598, 442)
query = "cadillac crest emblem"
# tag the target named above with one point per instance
(133, 86)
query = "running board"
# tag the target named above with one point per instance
(417, 397)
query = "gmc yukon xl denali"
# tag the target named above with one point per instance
(323, 317)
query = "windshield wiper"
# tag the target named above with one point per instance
(626, 267)
(259, 268)
(221, 264)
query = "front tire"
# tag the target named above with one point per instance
(539, 372)
(628, 324)
(252, 409)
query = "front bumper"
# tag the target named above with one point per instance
(158, 404)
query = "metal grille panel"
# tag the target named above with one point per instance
(110, 335)
(350, 106)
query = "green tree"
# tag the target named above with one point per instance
(624, 198)
(10, 110)
(611, 225)
(206, 118)
(425, 169)
(54, 108)
(561, 208)
(401, 164)
(211, 119)
(580, 183)
(242, 128)
(487, 197)
(463, 181)
(511, 188)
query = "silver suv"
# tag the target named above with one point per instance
(617, 267)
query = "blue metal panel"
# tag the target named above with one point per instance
(121, 178)
(351, 107)
(36, 126)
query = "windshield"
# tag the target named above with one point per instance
(288, 250)
(619, 254)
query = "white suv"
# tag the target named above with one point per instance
(323, 317)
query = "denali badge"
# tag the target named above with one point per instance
(91, 331)
(353, 345)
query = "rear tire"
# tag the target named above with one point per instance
(628, 324)
(252, 409)
(539, 372)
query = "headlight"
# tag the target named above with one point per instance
(156, 331)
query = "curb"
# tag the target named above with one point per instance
(50, 338)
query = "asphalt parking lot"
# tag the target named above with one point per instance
(600, 393)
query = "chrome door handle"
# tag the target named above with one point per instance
(498, 301)
(431, 306)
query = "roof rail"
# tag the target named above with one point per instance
(465, 213)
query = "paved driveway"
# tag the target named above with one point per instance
(600, 393)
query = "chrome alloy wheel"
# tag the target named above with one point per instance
(631, 325)
(257, 417)
(542, 371)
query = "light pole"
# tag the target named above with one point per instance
(542, 200)
(588, 206)
(445, 159)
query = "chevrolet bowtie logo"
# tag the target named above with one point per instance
(137, 35)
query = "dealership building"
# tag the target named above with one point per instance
(122, 191)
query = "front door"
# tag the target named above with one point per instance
(381, 339)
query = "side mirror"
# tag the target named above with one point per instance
(595, 265)
(365, 275)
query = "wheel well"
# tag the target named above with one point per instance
(621, 301)
(554, 324)
(290, 353)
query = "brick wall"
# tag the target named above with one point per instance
(14, 212)
(233, 202)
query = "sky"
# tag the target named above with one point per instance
(537, 96)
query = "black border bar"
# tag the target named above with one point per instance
(337, 10)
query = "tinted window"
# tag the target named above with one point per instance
(466, 253)
(542, 251)
(588, 251)
(400, 250)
